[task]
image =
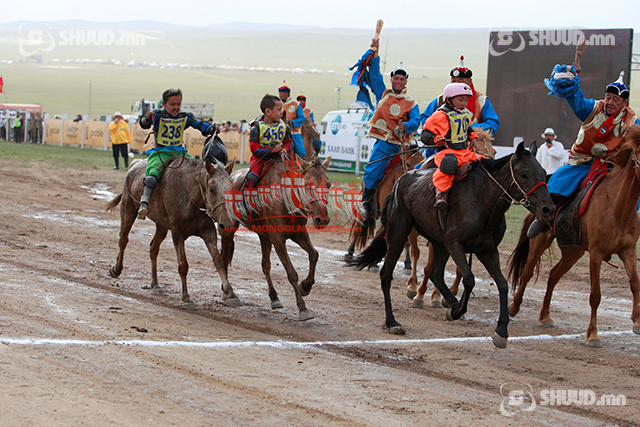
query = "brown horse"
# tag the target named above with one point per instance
(189, 201)
(283, 214)
(309, 135)
(610, 225)
(484, 145)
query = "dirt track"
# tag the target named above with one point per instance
(81, 348)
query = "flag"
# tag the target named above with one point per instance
(360, 78)
(1, 84)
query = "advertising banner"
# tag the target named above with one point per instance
(52, 131)
(72, 132)
(94, 133)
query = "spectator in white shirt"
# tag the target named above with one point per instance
(551, 155)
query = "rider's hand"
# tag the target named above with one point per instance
(276, 149)
(473, 143)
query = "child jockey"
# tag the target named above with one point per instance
(449, 129)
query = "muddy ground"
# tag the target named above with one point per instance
(81, 348)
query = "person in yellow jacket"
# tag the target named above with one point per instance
(120, 139)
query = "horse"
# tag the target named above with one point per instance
(283, 214)
(474, 223)
(310, 136)
(189, 200)
(609, 225)
(484, 145)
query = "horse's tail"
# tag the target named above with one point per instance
(360, 234)
(113, 203)
(518, 258)
(374, 253)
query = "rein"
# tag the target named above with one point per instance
(206, 209)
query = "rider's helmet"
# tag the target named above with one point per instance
(455, 89)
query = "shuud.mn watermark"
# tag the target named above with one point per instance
(503, 41)
(522, 398)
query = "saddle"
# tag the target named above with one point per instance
(567, 223)
(461, 171)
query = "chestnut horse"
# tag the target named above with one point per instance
(276, 220)
(610, 225)
(474, 223)
(310, 134)
(188, 200)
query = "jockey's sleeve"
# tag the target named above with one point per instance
(428, 112)
(311, 117)
(413, 123)
(204, 128)
(375, 78)
(438, 124)
(254, 142)
(146, 124)
(300, 118)
(490, 120)
(580, 106)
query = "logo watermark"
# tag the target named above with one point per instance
(504, 41)
(46, 39)
(522, 398)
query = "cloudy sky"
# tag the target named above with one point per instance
(340, 13)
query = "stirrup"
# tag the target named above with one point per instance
(536, 228)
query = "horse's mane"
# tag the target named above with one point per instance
(630, 145)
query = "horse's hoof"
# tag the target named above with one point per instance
(463, 317)
(113, 273)
(396, 330)
(276, 304)
(374, 269)
(305, 315)
(436, 303)
(233, 302)
(418, 303)
(595, 342)
(513, 310)
(444, 303)
(548, 324)
(406, 271)
(411, 294)
(188, 305)
(636, 329)
(448, 315)
(157, 291)
(499, 341)
(348, 258)
(305, 289)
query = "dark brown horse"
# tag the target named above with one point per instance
(310, 134)
(610, 225)
(475, 223)
(286, 197)
(188, 200)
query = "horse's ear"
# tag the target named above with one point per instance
(533, 148)
(326, 163)
(209, 166)
(520, 150)
(230, 166)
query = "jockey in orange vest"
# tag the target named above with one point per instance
(450, 129)
(308, 113)
(604, 125)
(292, 112)
(397, 116)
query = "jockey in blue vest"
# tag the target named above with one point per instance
(292, 112)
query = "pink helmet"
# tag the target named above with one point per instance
(455, 89)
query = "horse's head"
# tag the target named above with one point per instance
(311, 134)
(485, 142)
(528, 184)
(315, 177)
(218, 182)
(629, 153)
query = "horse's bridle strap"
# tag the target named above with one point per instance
(535, 187)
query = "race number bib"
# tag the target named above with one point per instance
(170, 131)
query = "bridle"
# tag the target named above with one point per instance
(203, 184)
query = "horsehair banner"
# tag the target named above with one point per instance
(94, 133)
(72, 132)
(52, 131)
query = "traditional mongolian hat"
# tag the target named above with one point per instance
(618, 87)
(301, 97)
(284, 87)
(461, 70)
(401, 71)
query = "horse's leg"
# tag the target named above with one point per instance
(595, 261)
(348, 257)
(629, 258)
(127, 218)
(227, 245)
(437, 300)
(468, 280)
(407, 259)
(183, 269)
(394, 250)
(304, 242)
(229, 297)
(279, 244)
(154, 249)
(491, 261)
(537, 247)
(439, 256)
(568, 259)
(412, 283)
(265, 243)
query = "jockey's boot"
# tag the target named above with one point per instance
(367, 203)
(442, 201)
(536, 228)
(150, 183)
